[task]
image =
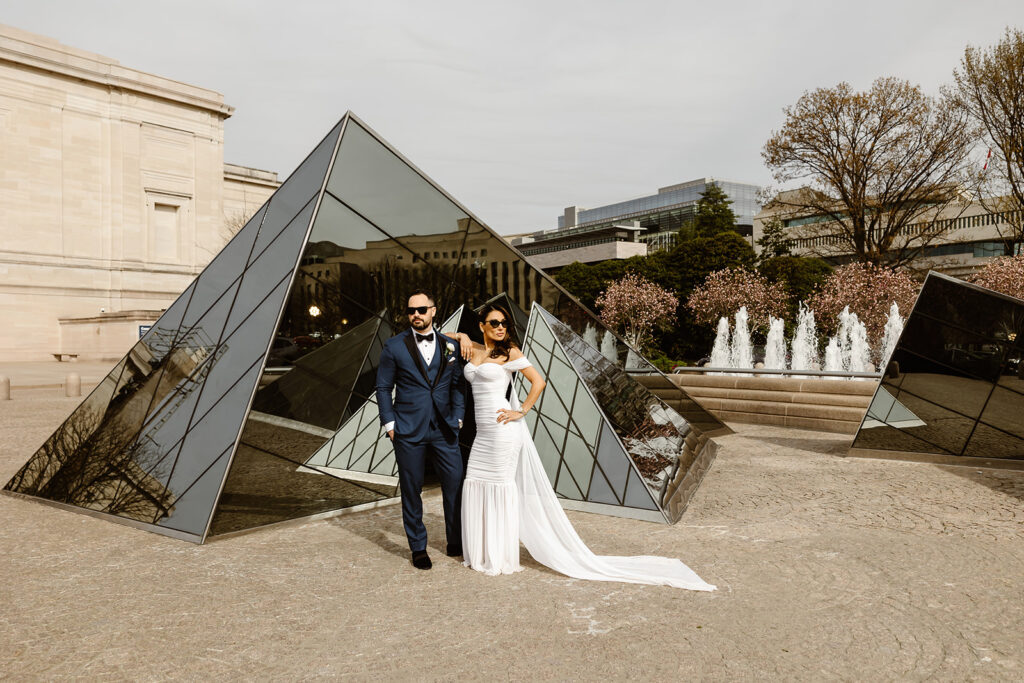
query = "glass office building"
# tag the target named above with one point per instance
(654, 220)
(251, 402)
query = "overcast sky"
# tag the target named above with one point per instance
(520, 109)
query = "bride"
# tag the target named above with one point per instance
(507, 497)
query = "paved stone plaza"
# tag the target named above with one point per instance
(827, 568)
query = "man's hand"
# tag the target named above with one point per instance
(391, 434)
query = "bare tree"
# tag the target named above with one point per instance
(989, 87)
(880, 167)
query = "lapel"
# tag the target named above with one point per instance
(439, 356)
(417, 357)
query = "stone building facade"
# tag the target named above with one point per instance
(113, 196)
(958, 240)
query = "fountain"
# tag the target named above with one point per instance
(741, 354)
(833, 357)
(843, 337)
(891, 335)
(609, 349)
(775, 347)
(805, 341)
(720, 351)
(847, 351)
(590, 336)
(860, 353)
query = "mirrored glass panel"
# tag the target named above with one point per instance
(952, 385)
(383, 189)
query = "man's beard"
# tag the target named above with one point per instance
(422, 324)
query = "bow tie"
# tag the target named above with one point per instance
(424, 337)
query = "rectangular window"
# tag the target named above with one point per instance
(483, 252)
(164, 233)
(473, 254)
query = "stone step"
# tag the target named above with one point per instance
(820, 425)
(790, 384)
(822, 412)
(854, 400)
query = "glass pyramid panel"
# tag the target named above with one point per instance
(385, 190)
(953, 365)
(302, 185)
(568, 458)
(655, 436)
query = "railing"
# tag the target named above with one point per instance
(783, 373)
(526, 250)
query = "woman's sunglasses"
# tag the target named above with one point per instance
(498, 323)
(422, 310)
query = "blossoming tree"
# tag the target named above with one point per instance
(633, 305)
(1004, 274)
(724, 291)
(869, 291)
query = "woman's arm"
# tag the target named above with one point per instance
(465, 344)
(537, 385)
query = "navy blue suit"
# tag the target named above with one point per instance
(428, 405)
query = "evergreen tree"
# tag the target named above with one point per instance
(713, 215)
(773, 241)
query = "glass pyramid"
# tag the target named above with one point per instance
(606, 441)
(954, 387)
(249, 402)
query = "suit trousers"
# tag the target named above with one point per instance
(411, 457)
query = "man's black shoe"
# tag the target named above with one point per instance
(421, 560)
(454, 550)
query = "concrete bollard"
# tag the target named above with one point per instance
(72, 385)
(5, 388)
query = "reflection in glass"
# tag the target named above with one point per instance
(951, 388)
(268, 484)
(585, 391)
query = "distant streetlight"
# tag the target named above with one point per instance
(314, 310)
(344, 321)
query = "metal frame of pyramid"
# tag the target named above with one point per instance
(953, 390)
(168, 441)
(607, 442)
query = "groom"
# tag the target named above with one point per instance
(424, 369)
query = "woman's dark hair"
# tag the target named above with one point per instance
(504, 347)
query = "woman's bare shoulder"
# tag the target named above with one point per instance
(514, 353)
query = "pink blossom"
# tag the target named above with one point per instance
(633, 305)
(1004, 274)
(869, 291)
(724, 291)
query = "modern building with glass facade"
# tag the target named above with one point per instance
(251, 401)
(633, 227)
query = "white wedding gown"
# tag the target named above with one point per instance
(507, 498)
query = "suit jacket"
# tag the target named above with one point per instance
(421, 393)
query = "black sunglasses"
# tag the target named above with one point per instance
(498, 323)
(422, 310)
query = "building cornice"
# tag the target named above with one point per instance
(45, 54)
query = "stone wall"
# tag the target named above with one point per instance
(820, 404)
(113, 189)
